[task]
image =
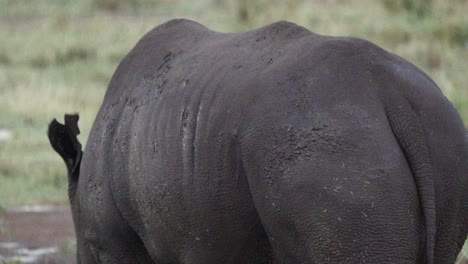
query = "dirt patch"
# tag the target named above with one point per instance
(37, 234)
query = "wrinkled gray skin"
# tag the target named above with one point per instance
(276, 145)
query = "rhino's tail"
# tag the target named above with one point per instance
(409, 133)
(64, 141)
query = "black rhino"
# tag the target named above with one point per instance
(276, 145)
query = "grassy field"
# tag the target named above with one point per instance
(57, 56)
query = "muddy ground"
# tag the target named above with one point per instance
(37, 234)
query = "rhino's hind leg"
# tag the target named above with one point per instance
(324, 199)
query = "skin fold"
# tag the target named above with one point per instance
(276, 145)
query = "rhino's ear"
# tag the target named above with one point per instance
(64, 141)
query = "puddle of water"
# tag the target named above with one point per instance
(36, 209)
(36, 252)
(24, 255)
(9, 245)
(5, 134)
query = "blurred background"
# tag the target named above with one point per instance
(58, 56)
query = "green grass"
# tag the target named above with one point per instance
(57, 56)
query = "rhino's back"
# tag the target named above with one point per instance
(165, 140)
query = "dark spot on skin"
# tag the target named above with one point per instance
(260, 38)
